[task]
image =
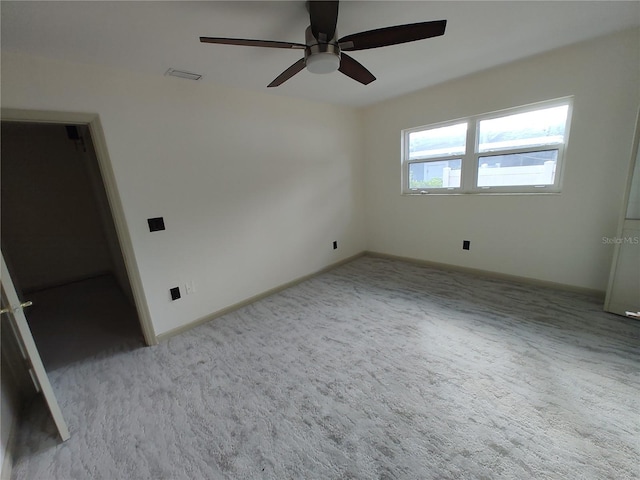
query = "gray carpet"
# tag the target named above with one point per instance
(377, 369)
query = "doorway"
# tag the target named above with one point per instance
(62, 244)
(624, 278)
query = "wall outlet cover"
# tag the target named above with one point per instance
(156, 224)
(175, 293)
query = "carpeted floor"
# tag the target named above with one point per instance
(79, 320)
(377, 369)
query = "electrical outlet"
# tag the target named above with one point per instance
(466, 244)
(190, 287)
(156, 224)
(175, 293)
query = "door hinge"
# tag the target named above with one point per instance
(19, 307)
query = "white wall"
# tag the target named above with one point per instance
(253, 188)
(551, 238)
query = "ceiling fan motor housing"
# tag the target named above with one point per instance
(321, 57)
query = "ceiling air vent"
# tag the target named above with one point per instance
(182, 74)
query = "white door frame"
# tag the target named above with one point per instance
(115, 204)
(620, 297)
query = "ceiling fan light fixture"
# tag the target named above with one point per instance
(323, 62)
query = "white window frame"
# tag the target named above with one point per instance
(471, 158)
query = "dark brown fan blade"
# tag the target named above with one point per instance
(354, 69)
(288, 73)
(252, 43)
(383, 37)
(324, 17)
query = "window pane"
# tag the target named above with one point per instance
(531, 168)
(540, 127)
(445, 174)
(439, 142)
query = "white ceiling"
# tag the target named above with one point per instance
(154, 36)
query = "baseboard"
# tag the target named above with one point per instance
(489, 274)
(441, 266)
(68, 281)
(207, 318)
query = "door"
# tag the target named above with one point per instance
(13, 316)
(623, 292)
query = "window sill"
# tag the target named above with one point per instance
(476, 194)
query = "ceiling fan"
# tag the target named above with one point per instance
(324, 53)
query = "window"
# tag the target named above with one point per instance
(519, 150)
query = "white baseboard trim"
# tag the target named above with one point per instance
(207, 318)
(490, 274)
(441, 266)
